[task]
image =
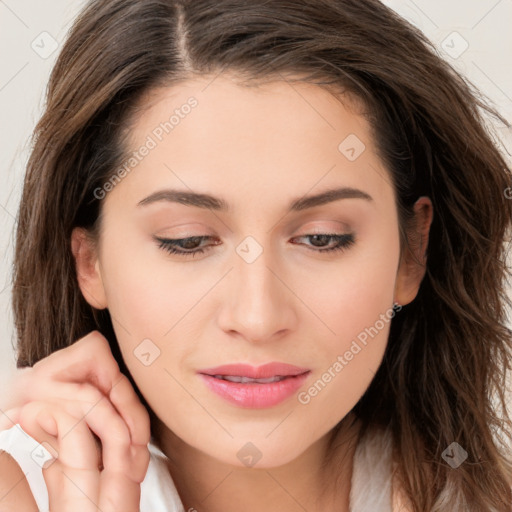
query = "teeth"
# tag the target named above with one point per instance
(245, 380)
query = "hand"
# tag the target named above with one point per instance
(66, 400)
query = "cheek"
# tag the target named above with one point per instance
(349, 295)
(147, 293)
(354, 300)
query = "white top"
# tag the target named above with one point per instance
(370, 486)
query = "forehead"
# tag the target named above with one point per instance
(213, 133)
(260, 107)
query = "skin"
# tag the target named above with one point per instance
(257, 148)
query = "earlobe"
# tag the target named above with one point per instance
(87, 268)
(413, 261)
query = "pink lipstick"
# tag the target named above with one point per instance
(254, 387)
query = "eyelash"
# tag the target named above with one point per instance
(170, 245)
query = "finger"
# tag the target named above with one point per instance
(73, 479)
(122, 397)
(127, 403)
(90, 360)
(124, 464)
(119, 454)
(87, 360)
(118, 493)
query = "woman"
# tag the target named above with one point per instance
(285, 223)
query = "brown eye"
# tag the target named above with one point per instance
(182, 246)
(321, 241)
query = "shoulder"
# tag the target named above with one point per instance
(15, 491)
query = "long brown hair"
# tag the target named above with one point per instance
(443, 374)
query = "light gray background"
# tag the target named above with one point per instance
(29, 28)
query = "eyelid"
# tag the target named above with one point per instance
(322, 226)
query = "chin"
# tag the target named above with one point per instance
(258, 454)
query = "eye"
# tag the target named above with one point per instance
(192, 245)
(182, 246)
(338, 242)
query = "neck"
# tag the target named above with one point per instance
(319, 479)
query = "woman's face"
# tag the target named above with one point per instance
(243, 174)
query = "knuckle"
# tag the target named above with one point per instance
(27, 418)
(89, 343)
(88, 393)
(28, 412)
(97, 352)
(36, 369)
(98, 339)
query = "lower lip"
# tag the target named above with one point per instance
(255, 396)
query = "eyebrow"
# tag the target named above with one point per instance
(216, 203)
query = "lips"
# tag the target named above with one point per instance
(254, 387)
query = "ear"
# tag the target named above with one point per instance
(413, 261)
(87, 268)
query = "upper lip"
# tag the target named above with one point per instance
(255, 372)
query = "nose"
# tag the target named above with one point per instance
(258, 304)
